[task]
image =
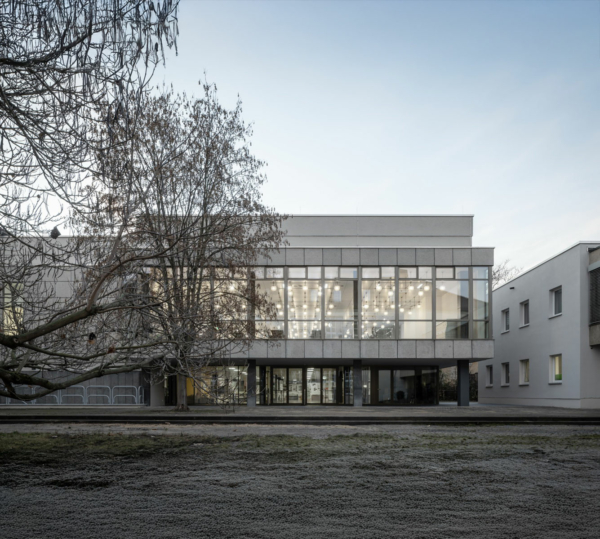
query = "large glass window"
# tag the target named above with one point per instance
(452, 305)
(340, 302)
(378, 303)
(269, 289)
(415, 311)
(481, 303)
(220, 385)
(304, 303)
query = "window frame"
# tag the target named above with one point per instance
(553, 380)
(524, 305)
(505, 321)
(489, 376)
(522, 370)
(505, 374)
(553, 292)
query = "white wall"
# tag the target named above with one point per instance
(566, 334)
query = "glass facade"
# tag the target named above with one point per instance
(219, 385)
(381, 302)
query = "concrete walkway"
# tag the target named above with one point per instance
(476, 413)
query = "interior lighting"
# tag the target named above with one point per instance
(390, 293)
(420, 292)
(273, 287)
(411, 287)
(378, 286)
(402, 310)
(336, 287)
(442, 287)
(279, 305)
(331, 305)
(304, 306)
(292, 309)
(305, 287)
(385, 312)
(426, 288)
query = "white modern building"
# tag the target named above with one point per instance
(546, 324)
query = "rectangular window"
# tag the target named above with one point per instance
(304, 306)
(556, 301)
(12, 309)
(481, 302)
(452, 308)
(415, 306)
(378, 305)
(489, 376)
(505, 320)
(505, 374)
(525, 313)
(556, 369)
(524, 372)
(340, 300)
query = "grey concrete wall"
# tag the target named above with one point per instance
(379, 230)
(403, 256)
(546, 335)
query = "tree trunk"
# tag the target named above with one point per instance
(181, 394)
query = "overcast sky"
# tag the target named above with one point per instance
(489, 108)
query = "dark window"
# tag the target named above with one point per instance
(526, 313)
(595, 296)
(558, 301)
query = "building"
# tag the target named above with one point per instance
(547, 328)
(369, 309)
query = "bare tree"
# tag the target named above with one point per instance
(503, 272)
(157, 273)
(194, 200)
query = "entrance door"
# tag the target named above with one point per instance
(313, 385)
(295, 386)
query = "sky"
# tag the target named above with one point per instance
(490, 108)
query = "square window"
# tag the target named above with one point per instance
(556, 369)
(348, 273)
(505, 320)
(425, 273)
(480, 273)
(331, 272)
(525, 313)
(462, 273)
(444, 273)
(297, 273)
(556, 301)
(314, 272)
(370, 273)
(407, 273)
(387, 273)
(274, 273)
(524, 372)
(489, 376)
(505, 374)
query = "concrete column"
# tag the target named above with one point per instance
(462, 382)
(357, 381)
(157, 393)
(251, 382)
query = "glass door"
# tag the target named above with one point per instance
(280, 386)
(313, 385)
(295, 386)
(329, 386)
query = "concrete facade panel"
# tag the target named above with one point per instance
(276, 349)
(313, 349)
(350, 349)
(407, 349)
(388, 349)
(463, 350)
(294, 349)
(407, 257)
(313, 257)
(258, 349)
(332, 349)
(369, 257)
(483, 349)
(388, 257)
(294, 257)
(482, 256)
(425, 350)
(443, 257)
(444, 349)
(350, 257)
(332, 257)
(425, 257)
(461, 257)
(369, 349)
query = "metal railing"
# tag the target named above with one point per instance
(131, 395)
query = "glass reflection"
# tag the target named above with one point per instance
(452, 300)
(313, 385)
(295, 386)
(329, 386)
(414, 300)
(279, 386)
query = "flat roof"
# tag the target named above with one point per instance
(581, 242)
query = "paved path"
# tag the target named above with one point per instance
(300, 414)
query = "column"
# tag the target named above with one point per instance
(462, 382)
(357, 380)
(251, 389)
